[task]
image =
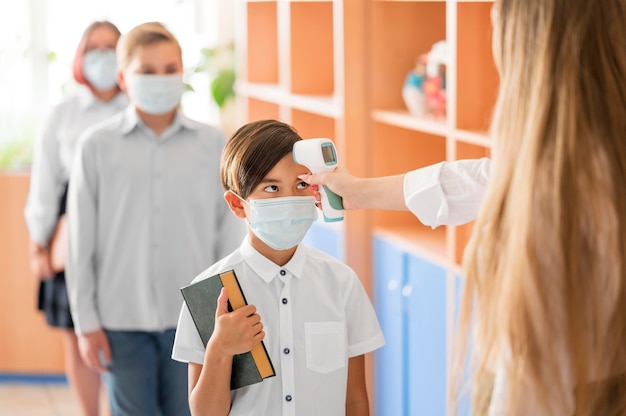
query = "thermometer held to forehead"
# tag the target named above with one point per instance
(319, 155)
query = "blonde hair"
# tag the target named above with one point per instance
(142, 35)
(545, 291)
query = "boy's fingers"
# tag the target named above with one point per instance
(106, 354)
(222, 303)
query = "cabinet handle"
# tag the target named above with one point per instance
(406, 291)
(392, 285)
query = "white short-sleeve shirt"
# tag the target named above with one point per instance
(316, 314)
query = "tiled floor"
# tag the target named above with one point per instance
(32, 399)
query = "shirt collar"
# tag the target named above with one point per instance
(267, 269)
(87, 99)
(132, 121)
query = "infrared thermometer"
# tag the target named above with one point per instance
(319, 155)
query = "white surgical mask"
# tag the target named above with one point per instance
(282, 223)
(156, 94)
(100, 68)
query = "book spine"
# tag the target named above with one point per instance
(237, 300)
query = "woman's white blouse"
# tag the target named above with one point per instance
(447, 193)
(54, 154)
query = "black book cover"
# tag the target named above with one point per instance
(201, 299)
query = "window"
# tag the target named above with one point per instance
(38, 41)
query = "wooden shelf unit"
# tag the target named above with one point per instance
(336, 68)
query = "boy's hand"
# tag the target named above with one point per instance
(237, 331)
(91, 346)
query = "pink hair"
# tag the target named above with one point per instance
(77, 65)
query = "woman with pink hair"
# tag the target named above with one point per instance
(96, 98)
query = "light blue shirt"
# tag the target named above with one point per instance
(146, 214)
(54, 154)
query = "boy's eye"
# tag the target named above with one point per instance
(271, 188)
(302, 185)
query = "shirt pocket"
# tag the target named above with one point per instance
(325, 346)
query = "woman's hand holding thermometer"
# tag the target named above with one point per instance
(319, 155)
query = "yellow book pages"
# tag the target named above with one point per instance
(235, 296)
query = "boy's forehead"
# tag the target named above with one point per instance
(285, 172)
(163, 47)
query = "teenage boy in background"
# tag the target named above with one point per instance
(318, 318)
(145, 213)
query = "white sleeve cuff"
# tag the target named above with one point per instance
(423, 195)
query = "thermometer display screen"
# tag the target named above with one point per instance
(328, 152)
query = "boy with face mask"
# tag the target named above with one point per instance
(145, 213)
(317, 316)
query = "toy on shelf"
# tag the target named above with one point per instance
(413, 89)
(424, 90)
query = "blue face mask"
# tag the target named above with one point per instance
(282, 223)
(100, 68)
(156, 94)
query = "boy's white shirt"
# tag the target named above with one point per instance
(327, 319)
(146, 213)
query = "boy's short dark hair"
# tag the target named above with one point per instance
(252, 152)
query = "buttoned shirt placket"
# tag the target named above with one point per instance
(157, 149)
(286, 345)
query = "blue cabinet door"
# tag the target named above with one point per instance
(389, 368)
(464, 399)
(425, 298)
(325, 238)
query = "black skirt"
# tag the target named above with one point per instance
(53, 299)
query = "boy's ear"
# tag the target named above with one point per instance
(235, 204)
(121, 82)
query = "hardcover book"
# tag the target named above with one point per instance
(201, 298)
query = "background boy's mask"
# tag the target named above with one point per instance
(156, 94)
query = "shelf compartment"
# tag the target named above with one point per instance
(261, 110)
(416, 27)
(477, 77)
(397, 150)
(474, 138)
(262, 42)
(312, 48)
(271, 93)
(311, 125)
(402, 118)
(323, 105)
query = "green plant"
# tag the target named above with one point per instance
(219, 63)
(16, 154)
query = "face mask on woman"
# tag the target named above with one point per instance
(100, 68)
(156, 94)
